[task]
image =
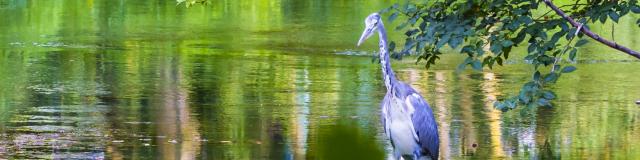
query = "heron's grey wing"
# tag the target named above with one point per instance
(424, 124)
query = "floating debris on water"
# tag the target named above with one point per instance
(117, 141)
(50, 44)
(353, 53)
(173, 141)
(225, 141)
(137, 122)
(16, 43)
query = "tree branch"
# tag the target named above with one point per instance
(588, 32)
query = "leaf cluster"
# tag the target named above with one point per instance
(487, 31)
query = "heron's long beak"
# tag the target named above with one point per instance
(365, 34)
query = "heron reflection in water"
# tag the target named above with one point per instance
(406, 117)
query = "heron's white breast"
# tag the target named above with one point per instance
(401, 128)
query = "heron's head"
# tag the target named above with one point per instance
(371, 26)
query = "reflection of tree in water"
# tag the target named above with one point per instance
(60, 117)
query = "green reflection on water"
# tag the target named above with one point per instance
(271, 80)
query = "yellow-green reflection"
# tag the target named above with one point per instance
(272, 80)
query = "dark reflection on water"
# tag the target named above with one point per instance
(148, 80)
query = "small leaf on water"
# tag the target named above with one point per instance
(581, 42)
(568, 69)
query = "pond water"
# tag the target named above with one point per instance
(278, 79)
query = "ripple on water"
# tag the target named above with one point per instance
(56, 132)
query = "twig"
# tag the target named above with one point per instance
(566, 48)
(589, 33)
(566, 5)
(613, 31)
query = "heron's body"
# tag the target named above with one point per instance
(406, 117)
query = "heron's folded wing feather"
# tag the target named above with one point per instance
(425, 125)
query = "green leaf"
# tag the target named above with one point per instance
(530, 57)
(499, 105)
(423, 26)
(571, 33)
(523, 97)
(410, 33)
(531, 48)
(468, 60)
(461, 67)
(477, 65)
(568, 69)
(393, 16)
(402, 26)
(548, 95)
(551, 77)
(520, 37)
(543, 102)
(467, 49)
(581, 42)
(614, 16)
(603, 18)
(572, 54)
(507, 43)
(635, 9)
(506, 52)
(455, 42)
(411, 8)
(495, 48)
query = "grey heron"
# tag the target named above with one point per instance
(406, 117)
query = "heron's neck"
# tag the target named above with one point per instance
(387, 73)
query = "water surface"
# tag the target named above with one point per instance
(275, 79)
